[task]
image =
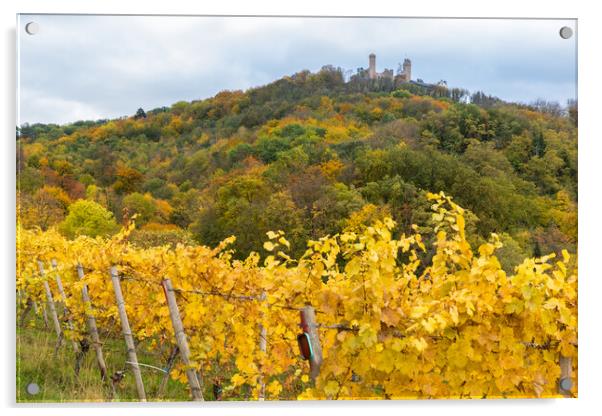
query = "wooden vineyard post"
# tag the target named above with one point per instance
(565, 383)
(310, 327)
(92, 329)
(178, 327)
(263, 342)
(59, 284)
(127, 334)
(51, 307)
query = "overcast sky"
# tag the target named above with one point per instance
(91, 67)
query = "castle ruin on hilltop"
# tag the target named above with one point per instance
(404, 72)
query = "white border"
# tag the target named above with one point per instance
(590, 162)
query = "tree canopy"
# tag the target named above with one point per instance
(88, 218)
(310, 154)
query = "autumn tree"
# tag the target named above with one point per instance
(128, 180)
(47, 207)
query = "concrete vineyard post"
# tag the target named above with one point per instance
(565, 383)
(51, 307)
(127, 334)
(59, 284)
(178, 327)
(92, 328)
(309, 325)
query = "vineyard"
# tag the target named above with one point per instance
(358, 316)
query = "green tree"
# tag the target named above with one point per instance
(329, 213)
(267, 148)
(186, 207)
(247, 208)
(511, 254)
(88, 218)
(140, 114)
(143, 205)
(538, 144)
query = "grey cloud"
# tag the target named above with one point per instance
(87, 67)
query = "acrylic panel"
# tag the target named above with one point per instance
(281, 208)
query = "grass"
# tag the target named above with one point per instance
(55, 373)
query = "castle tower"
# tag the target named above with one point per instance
(372, 67)
(407, 69)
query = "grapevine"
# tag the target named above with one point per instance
(390, 326)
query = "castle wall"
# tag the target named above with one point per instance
(404, 76)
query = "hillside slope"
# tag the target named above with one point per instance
(312, 155)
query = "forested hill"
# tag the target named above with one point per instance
(311, 155)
